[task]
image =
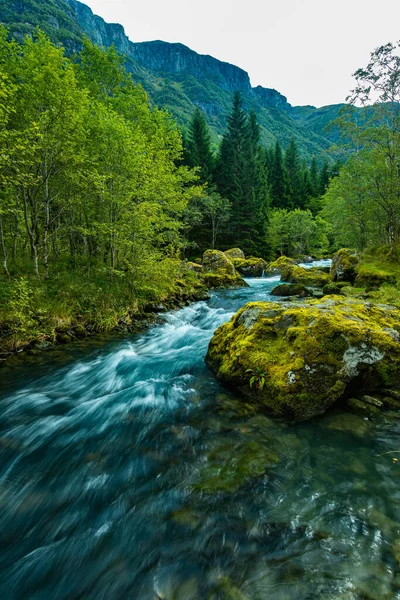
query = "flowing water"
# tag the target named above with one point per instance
(128, 472)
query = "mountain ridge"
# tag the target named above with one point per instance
(175, 76)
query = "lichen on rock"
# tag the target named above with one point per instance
(307, 353)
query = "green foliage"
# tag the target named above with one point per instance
(92, 194)
(241, 178)
(257, 378)
(363, 203)
(297, 232)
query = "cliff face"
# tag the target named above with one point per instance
(97, 30)
(174, 76)
(172, 59)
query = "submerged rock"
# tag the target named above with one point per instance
(314, 277)
(230, 465)
(234, 253)
(291, 289)
(297, 359)
(344, 264)
(219, 271)
(251, 266)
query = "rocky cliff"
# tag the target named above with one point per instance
(175, 76)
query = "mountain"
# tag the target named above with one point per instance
(175, 76)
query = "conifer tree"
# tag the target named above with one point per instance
(198, 147)
(295, 175)
(278, 180)
(241, 179)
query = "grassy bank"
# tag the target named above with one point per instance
(71, 304)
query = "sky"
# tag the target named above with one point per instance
(305, 49)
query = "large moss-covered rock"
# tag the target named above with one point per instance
(219, 271)
(313, 277)
(276, 267)
(371, 277)
(291, 289)
(344, 264)
(301, 358)
(234, 253)
(251, 266)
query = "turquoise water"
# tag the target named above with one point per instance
(127, 471)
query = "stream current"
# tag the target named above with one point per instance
(128, 472)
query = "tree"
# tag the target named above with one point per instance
(278, 180)
(377, 152)
(296, 191)
(198, 147)
(297, 232)
(241, 179)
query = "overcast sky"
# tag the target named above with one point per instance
(306, 49)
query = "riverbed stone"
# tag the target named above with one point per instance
(251, 266)
(275, 268)
(219, 271)
(344, 265)
(313, 277)
(361, 407)
(232, 464)
(291, 289)
(297, 359)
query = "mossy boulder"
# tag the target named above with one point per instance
(335, 288)
(344, 265)
(234, 253)
(219, 271)
(276, 267)
(313, 277)
(372, 277)
(251, 266)
(302, 357)
(291, 289)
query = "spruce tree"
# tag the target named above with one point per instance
(241, 178)
(198, 151)
(278, 180)
(231, 167)
(295, 176)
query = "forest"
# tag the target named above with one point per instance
(102, 196)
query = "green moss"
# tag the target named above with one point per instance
(230, 465)
(251, 267)
(219, 271)
(334, 288)
(309, 352)
(216, 280)
(372, 276)
(234, 253)
(275, 268)
(344, 264)
(313, 277)
(291, 289)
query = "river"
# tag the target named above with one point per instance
(128, 472)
